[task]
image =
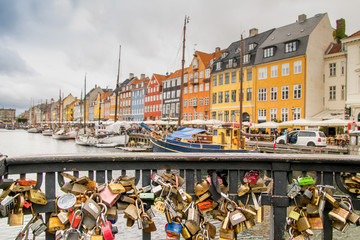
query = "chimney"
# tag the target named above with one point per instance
(142, 76)
(131, 75)
(217, 49)
(95, 86)
(253, 32)
(301, 18)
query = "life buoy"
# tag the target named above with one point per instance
(235, 140)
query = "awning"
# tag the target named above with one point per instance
(185, 133)
(328, 114)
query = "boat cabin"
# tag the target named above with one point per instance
(227, 135)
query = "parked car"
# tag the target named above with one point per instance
(303, 138)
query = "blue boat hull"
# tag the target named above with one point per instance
(180, 147)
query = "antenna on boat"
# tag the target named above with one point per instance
(186, 20)
(117, 87)
(85, 104)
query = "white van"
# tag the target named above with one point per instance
(303, 138)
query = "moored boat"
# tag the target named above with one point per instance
(34, 130)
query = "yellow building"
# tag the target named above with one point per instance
(69, 111)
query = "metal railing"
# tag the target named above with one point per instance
(327, 169)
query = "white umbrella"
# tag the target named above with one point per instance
(213, 122)
(332, 123)
(297, 123)
(197, 122)
(267, 125)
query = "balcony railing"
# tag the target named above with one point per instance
(282, 168)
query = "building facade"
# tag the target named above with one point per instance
(153, 98)
(138, 98)
(171, 95)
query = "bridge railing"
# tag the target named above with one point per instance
(282, 168)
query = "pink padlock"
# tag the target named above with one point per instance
(208, 179)
(251, 177)
(108, 197)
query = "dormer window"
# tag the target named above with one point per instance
(218, 65)
(252, 46)
(268, 52)
(195, 64)
(290, 47)
(231, 62)
(237, 50)
(223, 54)
(246, 58)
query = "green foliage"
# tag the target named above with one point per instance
(339, 32)
(21, 120)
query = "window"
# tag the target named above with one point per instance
(213, 115)
(220, 116)
(201, 115)
(262, 114)
(218, 65)
(284, 92)
(214, 98)
(248, 94)
(273, 94)
(273, 114)
(233, 77)
(226, 118)
(220, 97)
(233, 116)
(185, 78)
(168, 95)
(251, 46)
(342, 92)
(285, 69)
(185, 117)
(177, 94)
(190, 116)
(249, 74)
(185, 103)
(185, 90)
(274, 71)
(221, 80)
(207, 85)
(268, 52)
(342, 68)
(196, 76)
(230, 63)
(290, 47)
(207, 73)
(297, 67)
(201, 87)
(332, 67)
(332, 91)
(173, 94)
(296, 113)
(196, 88)
(227, 78)
(262, 94)
(201, 101)
(202, 74)
(284, 114)
(233, 95)
(190, 89)
(214, 82)
(227, 96)
(297, 91)
(262, 73)
(246, 58)
(206, 101)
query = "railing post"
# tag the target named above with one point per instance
(279, 201)
(50, 196)
(145, 182)
(327, 232)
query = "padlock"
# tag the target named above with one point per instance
(91, 208)
(129, 222)
(237, 217)
(343, 227)
(307, 180)
(95, 233)
(203, 197)
(108, 198)
(339, 214)
(38, 226)
(7, 205)
(6, 183)
(106, 226)
(205, 206)
(353, 217)
(82, 180)
(131, 212)
(112, 214)
(308, 194)
(127, 199)
(67, 187)
(251, 177)
(54, 223)
(157, 190)
(59, 235)
(36, 196)
(294, 214)
(116, 188)
(78, 189)
(139, 211)
(201, 188)
(147, 196)
(16, 218)
(294, 189)
(6, 192)
(63, 217)
(315, 221)
(185, 233)
(20, 188)
(159, 204)
(75, 218)
(331, 200)
(174, 227)
(227, 234)
(73, 233)
(303, 223)
(151, 227)
(193, 214)
(249, 223)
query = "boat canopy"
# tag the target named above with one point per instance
(185, 133)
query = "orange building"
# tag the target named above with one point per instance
(196, 94)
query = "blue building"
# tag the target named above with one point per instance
(138, 98)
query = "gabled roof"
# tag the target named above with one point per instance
(357, 34)
(159, 77)
(333, 48)
(176, 74)
(298, 31)
(105, 94)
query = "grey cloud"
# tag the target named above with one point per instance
(12, 64)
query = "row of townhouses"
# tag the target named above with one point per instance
(295, 71)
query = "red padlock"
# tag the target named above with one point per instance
(205, 205)
(251, 177)
(106, 225)
(24, 182)
(77, 219)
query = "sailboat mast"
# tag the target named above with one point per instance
(241, 89)
(99, 107)
(117, 87)
(60, 108)
(85, 105)
(182, 76)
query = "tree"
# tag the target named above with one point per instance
(339, 32)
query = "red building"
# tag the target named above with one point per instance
(153, 98)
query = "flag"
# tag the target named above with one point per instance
(274, 146)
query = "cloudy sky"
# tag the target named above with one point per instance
(50, 45)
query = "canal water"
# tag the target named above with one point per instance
(15, 143)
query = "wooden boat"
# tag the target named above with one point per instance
(34, 130)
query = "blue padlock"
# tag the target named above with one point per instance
(174, 228)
